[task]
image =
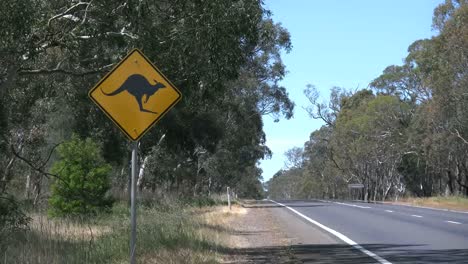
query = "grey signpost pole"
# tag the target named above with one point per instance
(138, 66)
(133, 203)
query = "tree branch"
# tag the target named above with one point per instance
(86, 12)
(68, 11)
(50, 155)
(30, 164)
(334, 161)
(122, 33)
(460, 136)
(62, 71)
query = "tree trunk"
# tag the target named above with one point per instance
(375, 193)
(37, 188)
(386, 192)
(142, 173)
(209, 186)
(129, 185)
(121, 176)
(28, 186)
(6, 175)
(450, 181)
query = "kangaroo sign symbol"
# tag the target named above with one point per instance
(135, 95)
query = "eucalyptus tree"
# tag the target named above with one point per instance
(448, 78)
(433, 79)
(408, 134)
(224, 56)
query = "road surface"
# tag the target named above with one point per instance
(373, 233)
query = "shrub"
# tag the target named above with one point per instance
(83, 180)
(12, 218)
(200, 201)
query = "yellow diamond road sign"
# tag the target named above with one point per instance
(135, 95)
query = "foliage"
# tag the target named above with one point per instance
(224, 56)
(12, 219)
(176, 234)
(82, 180)
(200, 201)
(406, 135)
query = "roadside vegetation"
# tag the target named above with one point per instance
(443, 202)
(405, 135)
(169, 231)
(65, 167)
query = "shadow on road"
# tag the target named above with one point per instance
(335, 253)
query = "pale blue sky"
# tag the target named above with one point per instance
(345, 43)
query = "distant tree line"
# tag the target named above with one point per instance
(406, 134)
(224, 56)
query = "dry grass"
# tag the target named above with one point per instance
(221, 215)
(66, 229)
(177, 257)
(172, 234)
(212, 227)
(218, 224)
(450, 202)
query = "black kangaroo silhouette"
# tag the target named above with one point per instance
(138, 86)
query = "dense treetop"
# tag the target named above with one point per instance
(224, 56)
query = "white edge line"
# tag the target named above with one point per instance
(353, 205)
(390, 211)
(417, 216)
(339, 235)
(453, 222)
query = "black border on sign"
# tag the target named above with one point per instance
(157, 119)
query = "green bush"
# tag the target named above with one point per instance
(200, 201)
(83, 180)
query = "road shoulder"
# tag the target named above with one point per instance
(268, 233)
(257, 237)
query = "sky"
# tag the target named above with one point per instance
(344, 43)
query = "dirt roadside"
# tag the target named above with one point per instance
(268, 233)
(257, 237)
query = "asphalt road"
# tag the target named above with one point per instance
(396, 234)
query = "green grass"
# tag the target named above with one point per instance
(166, 234)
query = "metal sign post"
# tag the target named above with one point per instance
(135, 95)
(355, 186)
(133, 203)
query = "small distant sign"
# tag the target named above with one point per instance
(355, 186)
(135, 95)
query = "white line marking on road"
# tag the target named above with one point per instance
(425, 207)
(339, 235)
(353, 205)
(417, 216)
(390, 211)
(453, 222)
